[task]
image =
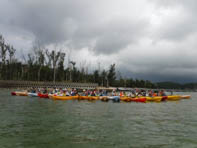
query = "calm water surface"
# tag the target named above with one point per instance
(42, 123)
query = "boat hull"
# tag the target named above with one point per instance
(64, 97)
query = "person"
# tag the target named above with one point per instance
(67, 93)
(133, 93)
(143, 93)
(121, 94)
(45, 91)
(93, 93)
(162, 93)
(83, 93)
(138, 92)
(113, 93)
(150, 93)
(171, 92)
(155, 93)
(87, 93)
(72, 92)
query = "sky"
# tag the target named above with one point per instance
(146, 39)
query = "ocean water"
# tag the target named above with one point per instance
(43, 123)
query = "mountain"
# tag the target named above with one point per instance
(175, 85)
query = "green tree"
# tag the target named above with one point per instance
(61, 66)
(111, 77)
(54, 57)
(96, 77)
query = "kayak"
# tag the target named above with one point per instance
(21, 93)
(116, 98)
(13, 93)
(185, 96)
(154, 99)
(129, 99)
(164, 98)
(88, 97)
(93, 98)
(126, 99)
(32, 94)
(83, 97)
(64, 97)
(50, 96)
(142, 100)
(111, 97)
(173, 98)
(43, 95)
(104, 98)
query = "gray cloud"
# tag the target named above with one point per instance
(147, 39)
(179, 19)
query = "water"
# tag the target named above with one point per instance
(39, 123)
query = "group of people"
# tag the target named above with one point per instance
(96, 92)
(138, 93)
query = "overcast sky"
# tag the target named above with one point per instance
(148, 39)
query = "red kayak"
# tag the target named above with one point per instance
(142, 100)
(164, 98)
(43, 95)
(13, 93)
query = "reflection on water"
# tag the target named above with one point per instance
(33, 122)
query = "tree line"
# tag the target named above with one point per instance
(48, 65)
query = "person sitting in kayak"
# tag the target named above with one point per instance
(138, 92)
(45, 91)
(121, 94)
(72, 92)
(67, 93)
(87, 93)
(155, 93)
(113, 93)
(133, 93)
(143, 93)
(150, 93)
(93, 93)
(162, 93)
(83, 93)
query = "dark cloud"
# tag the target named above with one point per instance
(81, 24)
(147, 39)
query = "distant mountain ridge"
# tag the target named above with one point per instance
(175, 85)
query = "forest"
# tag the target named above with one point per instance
(48, 65)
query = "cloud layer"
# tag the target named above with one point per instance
(153, 39)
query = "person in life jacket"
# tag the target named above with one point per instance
(121, 94)
(155, 94)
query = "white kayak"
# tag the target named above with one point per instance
(33, 94)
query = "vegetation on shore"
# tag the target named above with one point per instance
(48, 65)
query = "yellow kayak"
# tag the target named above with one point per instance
(174, 98)
(64, 97)
(154, 99)
(126, 99)
(88, 97)
(93, 98)
(83, 97)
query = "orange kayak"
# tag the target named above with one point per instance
(129, 99)
(185, 96)
(64, 97)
